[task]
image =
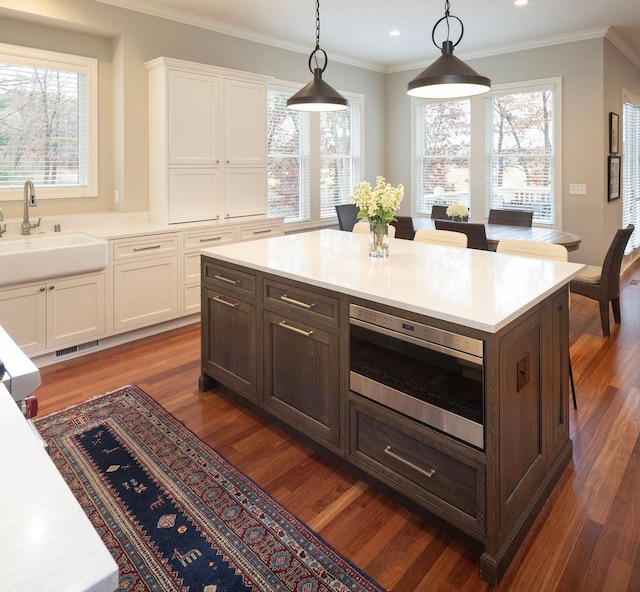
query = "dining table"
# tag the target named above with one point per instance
(497, 232)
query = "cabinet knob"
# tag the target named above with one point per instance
(42, 289)
(51, 287)
(228, 162)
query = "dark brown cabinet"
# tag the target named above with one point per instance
(299, 386)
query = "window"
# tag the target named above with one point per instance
(519, 169)
(314, 159)
(499, 150)
(631, 167)
(48, 106)
(443, 134)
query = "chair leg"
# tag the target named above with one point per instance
(573, 387)
(615, 305)
(604, 317)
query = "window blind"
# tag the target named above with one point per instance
(339, 157)
(443, 138)
(288, 159)
(631, 170)
(519, 152)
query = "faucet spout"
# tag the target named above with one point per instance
(29, 199)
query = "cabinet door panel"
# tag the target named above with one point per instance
(302, 377)
(245, 192)
(145, 292)
(23, 315)
(76, 310)
(195, 194)
(229, 341)
(245, 105)
(193, 118)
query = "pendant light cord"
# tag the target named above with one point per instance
(445, 18)
(317, 24)
(313, 58)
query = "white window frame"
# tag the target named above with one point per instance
(478, 173)
(630, 168)
(312, 193)
(26, 56)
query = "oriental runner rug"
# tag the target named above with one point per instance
(175, 514)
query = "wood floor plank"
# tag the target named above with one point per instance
(588, 534)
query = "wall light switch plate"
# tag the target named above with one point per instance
(578, 189)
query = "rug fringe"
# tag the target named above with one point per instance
(66, 409)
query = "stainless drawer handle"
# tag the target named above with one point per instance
(221, 301)
(263, 231)
(429, 474)
(286, 298)
(152, 248)
(213, 238)
(284, 325)
(224, 279)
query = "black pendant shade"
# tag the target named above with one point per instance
(448, 77)
(317, 95)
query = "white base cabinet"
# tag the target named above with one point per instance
(65, 311)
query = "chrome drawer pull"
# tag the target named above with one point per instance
(284, 325)
(213, 238)
(285, 298)
(224, 279)
(152, 248)
(221, 301)
(263, 231)
(429, 474)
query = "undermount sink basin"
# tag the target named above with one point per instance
(45, 256)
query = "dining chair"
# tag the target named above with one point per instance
(476, 233)
(439, 212)
(511, 217)
(603, 283)
(347, 216)
(404, 227)
(441, 237)
(362, 227)
(539, 250)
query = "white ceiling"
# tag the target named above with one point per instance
(358, 31)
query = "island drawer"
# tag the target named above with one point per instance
(228, 279)
(306, 304)
(418, 463)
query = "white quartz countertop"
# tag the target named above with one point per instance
(47, 541)
(478, 289)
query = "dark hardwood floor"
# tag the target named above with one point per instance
(586, 539)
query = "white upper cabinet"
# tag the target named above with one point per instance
(207, 142)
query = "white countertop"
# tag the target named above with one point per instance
(110, 225)
(479, 289)
(47, 541)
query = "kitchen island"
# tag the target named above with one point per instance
(281, 324)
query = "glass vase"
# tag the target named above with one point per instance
(378, 240)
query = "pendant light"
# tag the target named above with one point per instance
(448, 76)
(317, 95)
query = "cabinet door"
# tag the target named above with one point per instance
(194, 194)
(245, 115)
(302, 378)
(23, 315)
(76, 310)
(193, 116)
(145, 292)
(229, 342)
(245, 191)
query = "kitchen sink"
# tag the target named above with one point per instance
(45, 256)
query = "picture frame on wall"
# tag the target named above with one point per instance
(614, 178)
(614, 133)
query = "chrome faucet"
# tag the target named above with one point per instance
(29, 201)
(3, 227)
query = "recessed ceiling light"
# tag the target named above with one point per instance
(521, 2)
(395, 33)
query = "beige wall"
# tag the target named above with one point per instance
(593, 74)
